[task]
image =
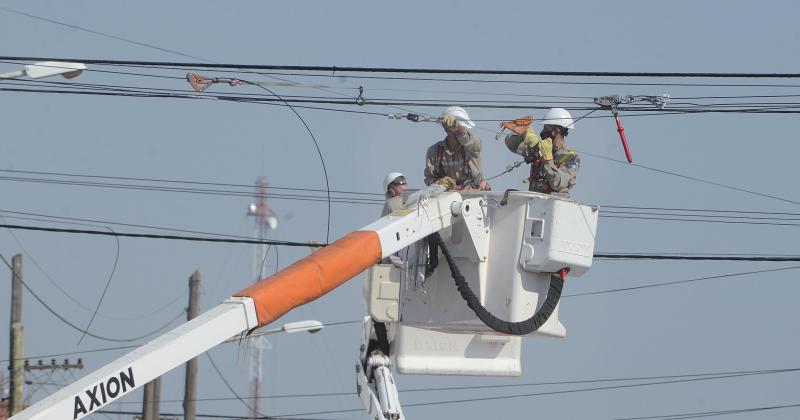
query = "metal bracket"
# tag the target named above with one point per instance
(473, 212)
(613, 101)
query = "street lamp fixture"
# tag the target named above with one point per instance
(47, 69)
(309, 326)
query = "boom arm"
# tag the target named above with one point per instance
(253, 307)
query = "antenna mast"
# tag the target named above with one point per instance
(265, 220)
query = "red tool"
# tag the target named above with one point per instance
(622, 137)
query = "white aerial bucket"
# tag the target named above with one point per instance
(507, 249)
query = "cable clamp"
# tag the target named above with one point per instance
(360, 99)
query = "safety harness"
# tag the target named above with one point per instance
(536, 167)
(440, 154)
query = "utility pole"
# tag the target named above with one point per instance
(16, 353)
(152, 397)
(265, 220)
(190, 388)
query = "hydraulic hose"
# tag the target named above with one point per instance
(513, 328)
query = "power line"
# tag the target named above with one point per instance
(537, 394)
(230, 388)
(42, 356)
(743, 109)
(81, 330)
(619, 209)
(638, 256)
(530, 384)
(207, 416)
(647, 286)
(696, 257)
(640, 215)
(711, 413)
(172, 237)
(355, 69)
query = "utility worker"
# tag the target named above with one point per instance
(393, 186)
(554, 168)
(455, 162)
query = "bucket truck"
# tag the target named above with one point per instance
(454, 280)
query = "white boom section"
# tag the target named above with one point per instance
(420, 219)
(429, 211)
(146, 363)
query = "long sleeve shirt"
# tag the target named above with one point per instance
(463, 165)
(558, 175)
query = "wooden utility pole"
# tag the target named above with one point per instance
(16, 353)
(190, 388)
(152, 399)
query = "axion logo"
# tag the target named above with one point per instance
(100, 394)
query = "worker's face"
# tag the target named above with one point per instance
(397, 186)
(549, 131)
(457, 130)
(553, 132)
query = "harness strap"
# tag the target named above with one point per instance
(440, 151)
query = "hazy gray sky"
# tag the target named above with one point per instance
(728, 324)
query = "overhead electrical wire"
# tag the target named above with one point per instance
(707, 375)
(230, 388)
(41, 356)
(603, 157)
(701, 414)
(354, 69)
(629, 256)
(50, 278)
(538, 394)
(378, 197)
(647, 286)
(355, 200)
(81, 330)
(781, 108)
(105, 289)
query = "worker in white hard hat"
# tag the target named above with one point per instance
(393, 186)
(455, 162)
(554, 167)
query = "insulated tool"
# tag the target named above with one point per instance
(522, 122)
(612, 103)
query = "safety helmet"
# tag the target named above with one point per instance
(460, 114)
(560, 117)
(390, 178)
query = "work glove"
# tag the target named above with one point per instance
(449, 121)
(546, 149)
(446, 182)
(531, 139)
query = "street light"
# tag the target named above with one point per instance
(310, 326)
(47, 69)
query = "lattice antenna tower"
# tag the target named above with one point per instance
(265, 220)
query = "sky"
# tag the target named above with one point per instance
(742, 323)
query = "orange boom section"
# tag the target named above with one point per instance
(314, 276)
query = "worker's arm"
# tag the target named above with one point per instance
(430, 166)
(476, 172)
(562, 178)
(470, 142)
(522, 144)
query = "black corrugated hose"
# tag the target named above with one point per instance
(513, 328)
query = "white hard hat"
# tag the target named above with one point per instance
(390, 178)
(558, 116)
(460, 114)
